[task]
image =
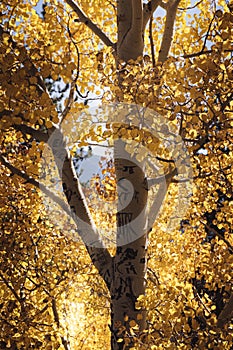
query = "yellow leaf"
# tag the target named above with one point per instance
(132, 323)
(120, 340)
(193, 133)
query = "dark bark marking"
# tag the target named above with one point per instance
(129, 168)
(124, 218)
(136, 196)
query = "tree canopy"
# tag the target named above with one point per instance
(174, 58)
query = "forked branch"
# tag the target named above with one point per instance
(77, 206)
(98, 253)
(148, 10)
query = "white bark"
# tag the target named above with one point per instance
(99, 255)
(129, 268)
(171, 8)
(130, 29)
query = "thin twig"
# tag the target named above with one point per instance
(190, 7)
(230, 247)
(199, 53)
(199, 298)
(57, 321)
(10, 287)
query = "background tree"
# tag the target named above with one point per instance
(177, 62)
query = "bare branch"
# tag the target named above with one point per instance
(55, 312)
(207, 34)
(70, 99)
(69, 102)
(84, 19)
(168, 30)
(155, 208)
(201, 301)
(57, 320)
(190, 7)
(72, 189)
(160, 195)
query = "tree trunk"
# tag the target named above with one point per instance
(125, 273)
(129, 263)
(130, 29)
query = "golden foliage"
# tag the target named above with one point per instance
(189, 270)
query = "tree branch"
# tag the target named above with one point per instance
(57, 320)
(10, 287)
(154, 210)
(160, 195)
(160, 179)
(190, 7)
(72, 189)
(226, 314)
(148, 10)
(77, 206)
(152, 42)
(36, 134)
(37, 184)
(25, 129)
(168, 30)
(84, 19)
(230, 247)
(205, 52)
